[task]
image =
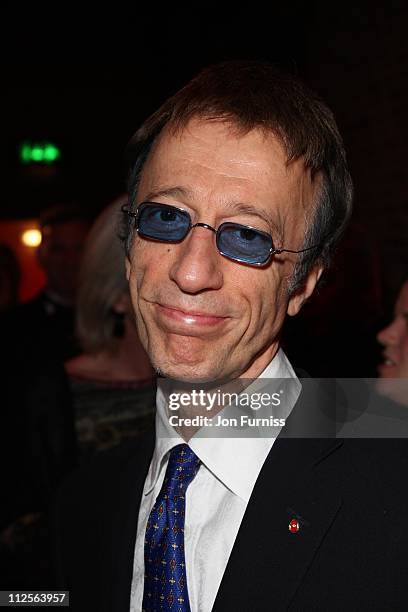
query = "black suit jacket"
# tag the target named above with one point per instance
(349, 496)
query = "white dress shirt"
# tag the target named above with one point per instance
(216, 499)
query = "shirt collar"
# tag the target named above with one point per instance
(166, 439)
(236, 462)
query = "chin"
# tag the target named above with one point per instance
(186, 372)
(186, 360)
(395, 388)
(191, 371)
(388, 371)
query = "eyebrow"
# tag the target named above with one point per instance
(236, 207)
(242, 208)
(175, 192)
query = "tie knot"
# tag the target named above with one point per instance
(182, 467)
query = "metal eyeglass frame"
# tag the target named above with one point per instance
(272, 251)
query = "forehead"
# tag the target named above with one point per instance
(225, 141)
(212, 158)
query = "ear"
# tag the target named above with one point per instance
(127, 266)
(297, 300)
(123, 305)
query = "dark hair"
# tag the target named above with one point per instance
(250, 95)
(62, 213)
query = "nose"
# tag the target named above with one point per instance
(389, 335)
(197, 264)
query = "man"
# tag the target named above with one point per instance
(239, 190)
(37, 337)
(44, 326)
(393, 372)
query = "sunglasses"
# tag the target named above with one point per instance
(241, 243)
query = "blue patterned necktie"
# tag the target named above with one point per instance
(165, 586)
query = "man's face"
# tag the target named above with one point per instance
(60, 256)
(200, 316)
(395, 340)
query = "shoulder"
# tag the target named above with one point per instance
(381, 461)
(33, 307)
(95, 487)
(19, 314)
(366, 471)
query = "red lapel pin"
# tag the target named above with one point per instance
(294, 526)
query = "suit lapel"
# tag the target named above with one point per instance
(268, 562)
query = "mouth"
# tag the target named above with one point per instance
(388, 361)
(190, 318)
(388, 367)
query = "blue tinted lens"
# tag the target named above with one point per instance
(162, 222)
(243, 243)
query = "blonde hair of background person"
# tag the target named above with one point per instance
(103, 298)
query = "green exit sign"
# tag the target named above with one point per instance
(39, 153)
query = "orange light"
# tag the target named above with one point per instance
(31, 237)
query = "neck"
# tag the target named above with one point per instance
(129, 356)
(261, 362)
(125, 361)
(189, 400)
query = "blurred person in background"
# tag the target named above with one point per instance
(107, 393)
(112, 381)
(38, 335)
(99, 399)
(10, 276)
(43, 328)
(393, 371)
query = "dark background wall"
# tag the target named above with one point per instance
(87, 81)
(358, 61)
